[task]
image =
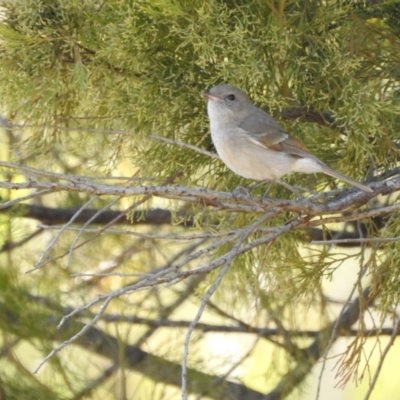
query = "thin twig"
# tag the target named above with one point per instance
(382, 358)
(82, 230)
(227, 263)
(72, 339)
(10, 203)
(39, 263)
(360, 240)
(183, 144)
(153, 236)
(336, 325)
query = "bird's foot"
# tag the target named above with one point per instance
(241, 190)
(247, 190)
(294, 189)
(268, 189)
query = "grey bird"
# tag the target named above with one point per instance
(253, 145)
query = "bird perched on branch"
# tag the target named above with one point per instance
(253, 145)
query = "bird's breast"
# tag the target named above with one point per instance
(246, 158)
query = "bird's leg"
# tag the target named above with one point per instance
(241, 190)
(269, 187)
(293, 189)
(256, 185)
(247, 190)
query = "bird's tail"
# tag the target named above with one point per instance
(335, 174)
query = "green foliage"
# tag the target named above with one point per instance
(138, 67)
(27, 389)
(91, 80)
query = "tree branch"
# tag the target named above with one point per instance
(147, 364)
(57, 216)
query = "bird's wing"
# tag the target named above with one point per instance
(264, 131)
(263, 127)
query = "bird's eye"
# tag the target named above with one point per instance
(231, 97)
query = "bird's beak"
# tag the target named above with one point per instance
(209, 96)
